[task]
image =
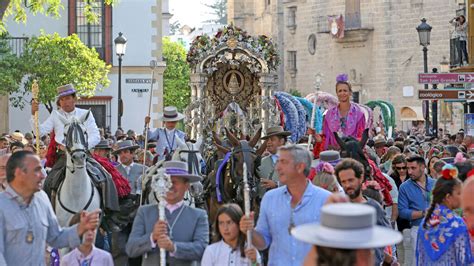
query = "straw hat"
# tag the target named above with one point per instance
(170, 114)
(347, 226)
(65, 90)
(18, 137)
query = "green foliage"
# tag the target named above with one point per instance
(55, 61)
(295, 92)
(12, 68)
(176, 76)
(219, 9)
(18, 9)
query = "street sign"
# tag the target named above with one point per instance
(439, 78)
(446, 94)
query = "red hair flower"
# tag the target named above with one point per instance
(449, 172)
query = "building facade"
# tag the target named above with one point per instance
(143, 23)
(379, 50)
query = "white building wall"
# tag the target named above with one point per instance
(138, 21)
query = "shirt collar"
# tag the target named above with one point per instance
(12, 194)
(170, 131)
(307, 192)
(173, 207)
(130, 166)
(80, 256)
(274, 158)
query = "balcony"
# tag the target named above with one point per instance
(17, 44)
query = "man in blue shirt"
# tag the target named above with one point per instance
(296, 202)
(415, 196)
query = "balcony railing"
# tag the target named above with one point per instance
(17, 44)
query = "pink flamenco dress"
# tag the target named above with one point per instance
(353, 124)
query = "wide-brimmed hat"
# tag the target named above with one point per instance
(330, 156)
(379, 141)
(180, 169)
(104, 145)
(65, 90)
(347, 226)
(126, 145)
(18, 137)
(170, 114)
(276, 131)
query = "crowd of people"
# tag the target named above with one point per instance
(408, 202)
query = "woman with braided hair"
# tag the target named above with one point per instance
(443, 238)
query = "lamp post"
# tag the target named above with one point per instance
(120, 46)
(444, 67)
(424, 32)
(434, 109)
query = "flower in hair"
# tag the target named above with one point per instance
(342, 78)
(459, 158)
(449, 172)
(325, 167)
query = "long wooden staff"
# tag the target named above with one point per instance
(147, 125)
(35, 92)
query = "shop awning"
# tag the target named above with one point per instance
(411, 113)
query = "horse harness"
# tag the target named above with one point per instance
(75, 132)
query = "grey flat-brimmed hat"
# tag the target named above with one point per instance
(276, 131)
(330, 156)
(126, 145)
(180, 169)
(170, 114)
(347, 226)
(104, 145)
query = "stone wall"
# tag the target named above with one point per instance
(381, 57)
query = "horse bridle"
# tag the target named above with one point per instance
(193, 162)
(68, 148)
(246, 150)
(71, 153)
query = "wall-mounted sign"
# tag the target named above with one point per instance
(135, 81)
(140, 90)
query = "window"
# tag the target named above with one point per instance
(291, 22)
(96, 35)
(352, 14)
(312, 44)
(292, 61)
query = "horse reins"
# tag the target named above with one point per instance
(85, 207)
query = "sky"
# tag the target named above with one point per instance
(190, 12)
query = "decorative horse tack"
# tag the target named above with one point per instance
(161, 184)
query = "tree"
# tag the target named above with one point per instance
(19, 8)
(176, 76)
(55, 61)
(12, 68)
(295, 92)
(219, 9)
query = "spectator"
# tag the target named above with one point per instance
(87, 253)
(443, 238)
(230, 242)
(414, 197)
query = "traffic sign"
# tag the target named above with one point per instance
(437, 78)
(446, 94)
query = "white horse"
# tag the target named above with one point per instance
(186, 152)
(76, 192)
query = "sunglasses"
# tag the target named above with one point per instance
(401, 168)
